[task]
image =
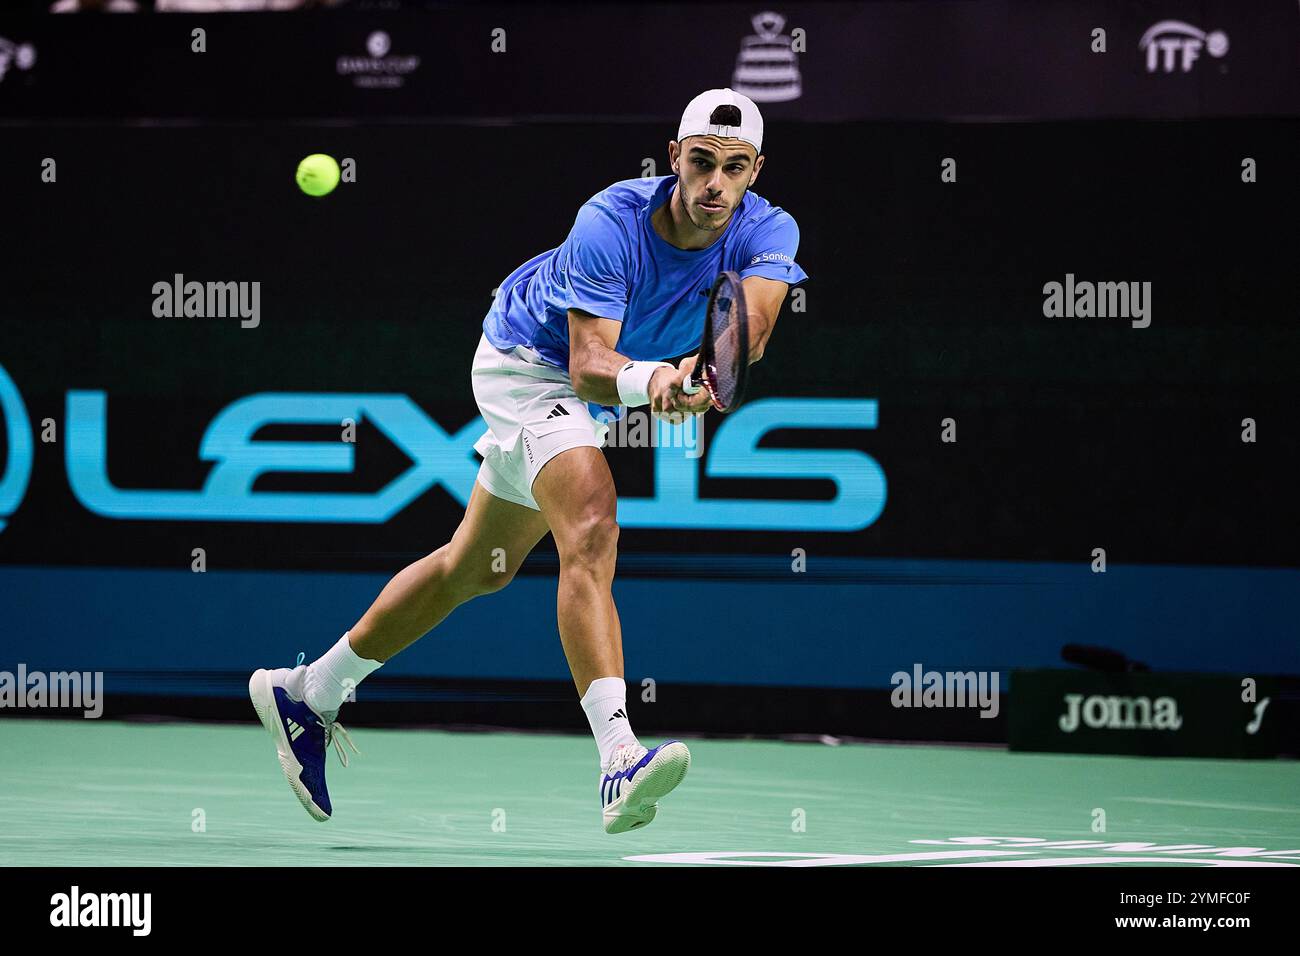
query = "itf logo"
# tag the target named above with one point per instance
(18, 460)
(1173, 43)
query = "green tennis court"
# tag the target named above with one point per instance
(87, 793)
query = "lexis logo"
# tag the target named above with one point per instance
(447, 459)
(1172, 44)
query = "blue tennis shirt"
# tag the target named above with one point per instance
(614, 265)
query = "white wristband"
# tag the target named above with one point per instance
(634, 382)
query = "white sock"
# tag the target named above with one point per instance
(333, 677)
(606, 705)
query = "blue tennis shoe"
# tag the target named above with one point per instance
(635, 780)
(302, 736)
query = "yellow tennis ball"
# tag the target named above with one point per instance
(318, 174)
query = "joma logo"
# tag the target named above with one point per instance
(1119, 713)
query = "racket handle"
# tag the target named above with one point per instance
(689, 385)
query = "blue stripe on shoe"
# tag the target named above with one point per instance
(611, 785)
(307, 741)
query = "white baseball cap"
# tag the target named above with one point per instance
(702, 118)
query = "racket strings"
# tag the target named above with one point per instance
(725, 359)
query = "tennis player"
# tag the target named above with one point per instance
(573, 331)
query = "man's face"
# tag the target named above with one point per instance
(713, 174)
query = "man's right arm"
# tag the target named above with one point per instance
(594, 365)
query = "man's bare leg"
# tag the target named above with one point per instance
(483, 555)
(422, 594)
(299, 706)
(576, 492)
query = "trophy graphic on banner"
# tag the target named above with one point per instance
(766, 68)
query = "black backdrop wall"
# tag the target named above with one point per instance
(925, 295)
(127, 158)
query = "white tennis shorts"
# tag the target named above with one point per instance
(532, 414)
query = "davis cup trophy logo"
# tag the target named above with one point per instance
(766, 68)
(18, 461)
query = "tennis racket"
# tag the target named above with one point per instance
(723, 363)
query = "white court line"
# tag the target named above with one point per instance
(1112, 860)
(1210, 806)
(812, 859)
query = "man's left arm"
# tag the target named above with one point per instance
(763, 299)
(768, 267)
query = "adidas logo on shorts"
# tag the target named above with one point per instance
(557, 411)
